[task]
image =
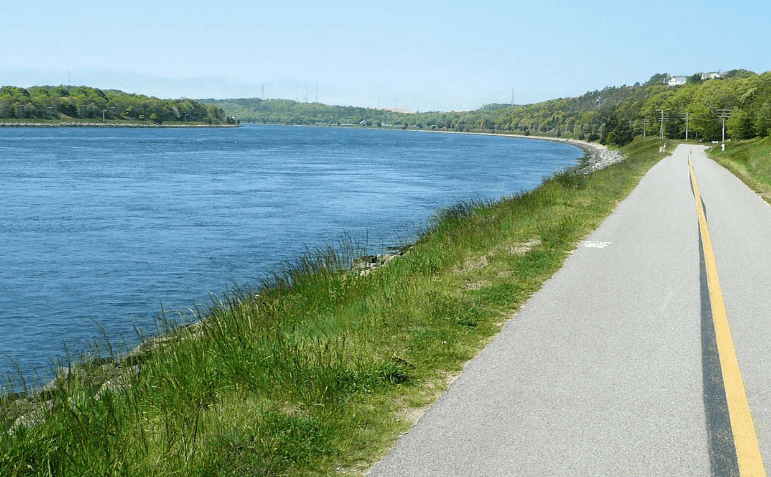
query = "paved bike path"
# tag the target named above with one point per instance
(603, 371)
(740, 227)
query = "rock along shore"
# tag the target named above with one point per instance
(597, 155)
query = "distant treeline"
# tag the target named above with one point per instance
(284, 111)
(614, 115)
(65, 103)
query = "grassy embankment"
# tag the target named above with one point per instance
(319, 370)
(750, 161)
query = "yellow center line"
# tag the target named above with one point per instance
(745, 439)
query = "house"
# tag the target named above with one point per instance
(677, 80)
(709, 76)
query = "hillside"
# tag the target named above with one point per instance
(613, 115)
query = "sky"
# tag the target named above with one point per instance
(417, 55)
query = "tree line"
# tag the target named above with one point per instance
(283, 111)
(63, 103)
(614, 115)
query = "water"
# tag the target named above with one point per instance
(100, 227)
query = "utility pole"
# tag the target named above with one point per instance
(724, 114)
(661, 129)
(687, 117)
(512, 96)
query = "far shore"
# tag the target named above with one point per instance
(82, 124)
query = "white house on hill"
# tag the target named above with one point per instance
(677, 80)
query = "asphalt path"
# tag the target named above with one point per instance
(611, 368)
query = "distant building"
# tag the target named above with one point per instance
(709, 76)
(677, 80)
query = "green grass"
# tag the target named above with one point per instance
(319, 369)
(750, 161)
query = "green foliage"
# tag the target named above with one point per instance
(740, 73)
(66, 103)
(614, 115)
(622, 134)
(658, 78)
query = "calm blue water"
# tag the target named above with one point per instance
(100, 227)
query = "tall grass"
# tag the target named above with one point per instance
(314, 371)
(750, 161)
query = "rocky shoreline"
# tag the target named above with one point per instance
(597, 155)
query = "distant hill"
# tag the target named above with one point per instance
(284, 111)
(613, 115)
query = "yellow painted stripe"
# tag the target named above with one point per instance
(745, 439)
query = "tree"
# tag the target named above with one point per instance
(740, 73)
(622, 134)
(740, 124)
(658, 78)
(763, 120)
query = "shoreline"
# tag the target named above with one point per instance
(80, 124)
(597, 156)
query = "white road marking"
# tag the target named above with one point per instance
(593, 244)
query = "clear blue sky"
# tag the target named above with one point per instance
(419, 55)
